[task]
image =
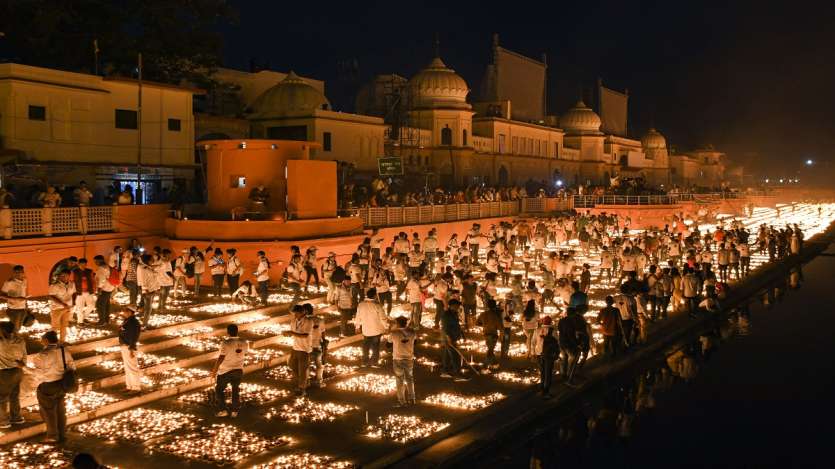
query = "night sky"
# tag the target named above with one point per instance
(755, 80)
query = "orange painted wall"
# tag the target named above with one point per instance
(259, 161)
(311, 189)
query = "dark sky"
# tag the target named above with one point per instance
(755, 80)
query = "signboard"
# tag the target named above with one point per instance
(390, 166)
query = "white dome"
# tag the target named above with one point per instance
(653, 140)
(292, 96)
(580, 120)
(438, 86)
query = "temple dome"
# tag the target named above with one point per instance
(580, 120)
(292, 96)
(653, 140)
(438, 87)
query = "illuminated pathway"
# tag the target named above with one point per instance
(349, 421)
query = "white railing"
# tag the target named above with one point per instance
(397, 216)
(25, 222)
(546, 204)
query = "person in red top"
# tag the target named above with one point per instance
(85, 290)
(610, 327)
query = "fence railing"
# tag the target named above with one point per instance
(26, 222)
(590, 201)
(396, 216)
(546, 204)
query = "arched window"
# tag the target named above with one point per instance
(446, 136)
(464, 138)
(503, 176)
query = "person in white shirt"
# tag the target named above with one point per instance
(104, 290)
(371, 319)
(60, 303)
(14, 291)
(301, 328)
(179, 289)
(294, 276)
(166, 277)
(12, 359)
(234, 269)
(262, 276)
(319, 346)
(114, 261)
(328, 269)
(377, 240)
(217, 267)
(246, 294)
(49, 366)
(228, 370)
(430, 246)
(344, 298)
(148, 281)
(403, 356)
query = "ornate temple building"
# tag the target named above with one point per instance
(442, 133)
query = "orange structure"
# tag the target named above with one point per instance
(235, 167)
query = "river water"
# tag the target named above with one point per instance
(758, 393)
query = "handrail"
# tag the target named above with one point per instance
(417, 215)
(28, 222)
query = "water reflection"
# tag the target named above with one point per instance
(599, 434)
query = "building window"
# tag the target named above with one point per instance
(446, 136)
(556, 149)
(514, 145)
(464, 138)
(126, 119)
(326, 141)
(37, 113)
(502, 144)
(174, 125)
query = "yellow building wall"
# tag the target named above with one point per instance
(79, 125)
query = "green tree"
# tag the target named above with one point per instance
(180, 40)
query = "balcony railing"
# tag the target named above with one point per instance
(591, 201)
(27, 222)
(397, 216)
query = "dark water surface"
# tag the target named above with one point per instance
(759, 393)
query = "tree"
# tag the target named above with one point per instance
(180, 40)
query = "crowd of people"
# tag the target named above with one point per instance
(532, 276)
(64, 195)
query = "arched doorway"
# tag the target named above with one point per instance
(503, 176)
(446, 136)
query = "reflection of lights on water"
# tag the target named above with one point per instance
(304, 460)
(305, 410)
(371, 383)
(461, 402)
(137, 425)
(403, 428)
(250, 392)
(219, 444)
